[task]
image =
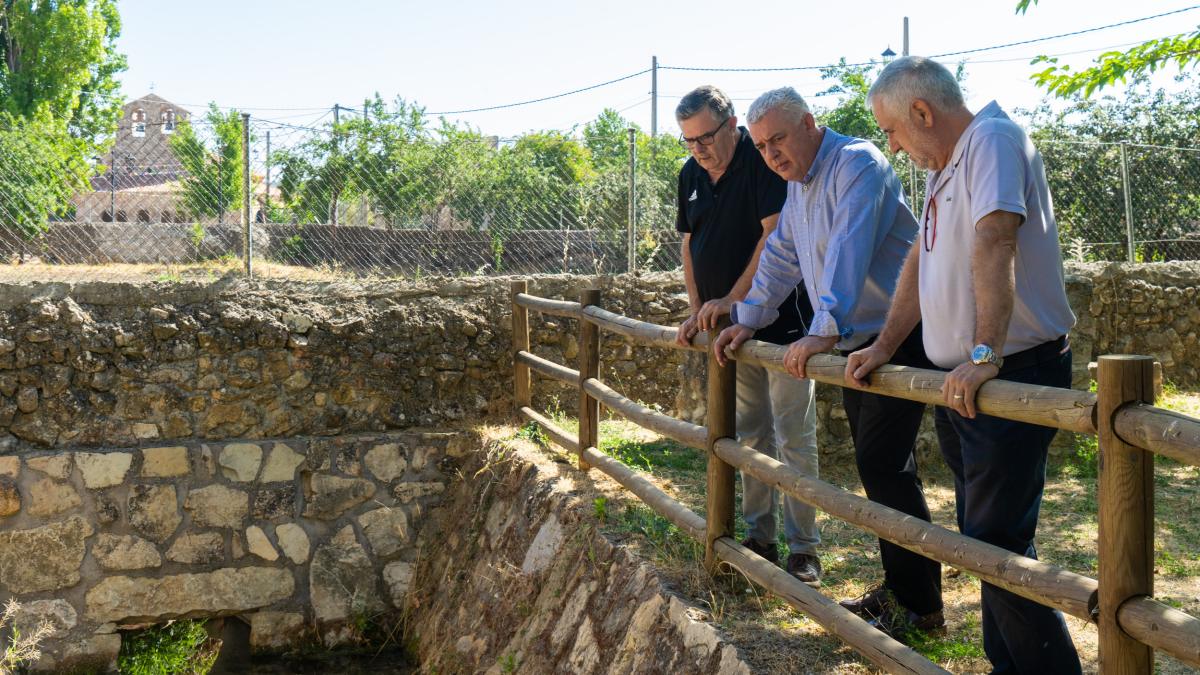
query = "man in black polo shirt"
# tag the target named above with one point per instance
(729, 202)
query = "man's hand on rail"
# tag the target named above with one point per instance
(687, 331)
(963, 383)
(712, 311)
(731, 337)
(796, 358)
(863, 362)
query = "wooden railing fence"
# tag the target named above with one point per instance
(1131, 430)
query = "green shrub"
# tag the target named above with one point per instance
(176, 647)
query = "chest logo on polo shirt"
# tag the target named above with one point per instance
(694, 196)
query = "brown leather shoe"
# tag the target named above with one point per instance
(806, 568)
(870, 604)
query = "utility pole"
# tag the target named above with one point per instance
(905, 52)
(653, 96)
(912, 169)
(267, 182)
(246, 196)
(333, 198)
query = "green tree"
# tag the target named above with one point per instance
(58, 67)
(1081, 146)
(1115, 66)
(59, 58)
(212, 185)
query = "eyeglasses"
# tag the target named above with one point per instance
(703, 139)
(930, 208)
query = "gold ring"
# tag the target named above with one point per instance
(958, 396)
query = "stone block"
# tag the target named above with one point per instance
(165, 462)
(275, 503)
(199, 548)
(330, 496)
(386, 461)
(57, 467)
(218, 506)
(407, 492)
(545, 545)
(27, 399)
(103, 469)
(10, 497)
(117, 552)
(144, 430)
(154, 511)
(240, 461)
(342, 580)
(258, 544)
(10, 466)
(49, 497)
(130, 599)
(58, 614)
(397, 578)
(293, 540)
(281, 464)
(43, 559)
(386, 530)
(272, 631)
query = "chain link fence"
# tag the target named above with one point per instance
(184, 196)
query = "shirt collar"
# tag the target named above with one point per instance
(828, 141)
(990, 111)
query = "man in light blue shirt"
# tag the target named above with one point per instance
(845, 230)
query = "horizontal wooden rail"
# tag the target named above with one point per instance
(552, 430)
(1162, 627)
(641, 331)
(1048, 406)
(549, 368)
(1163, 432)
(1033, 579)
(873, 644)
(684, 432)
(547, 306)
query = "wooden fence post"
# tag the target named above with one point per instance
(722, 407)
(1126, 486)
(589, 367)
(523, 386)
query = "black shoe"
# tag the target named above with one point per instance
(768, 551)
(881, 610)
(899, 622)
(870, 604)
(806, 568)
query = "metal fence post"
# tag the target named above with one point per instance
(246, 238)
(522, 385)
(1129, 241)
(1126, 491)
(722, 423)
(589, 367)
(631, 234)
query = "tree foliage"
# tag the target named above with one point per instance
(1081, 146)
(58, 67)
(1116, 66)
(212, 182)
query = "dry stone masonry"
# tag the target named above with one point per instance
(315, 534)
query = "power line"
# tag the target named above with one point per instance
(546, 98)
(939, 56)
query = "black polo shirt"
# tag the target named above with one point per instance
(725, 223)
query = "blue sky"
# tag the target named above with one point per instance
(292, 60)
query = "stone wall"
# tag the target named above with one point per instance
(105, 364)
(522, 581)
(304, 539)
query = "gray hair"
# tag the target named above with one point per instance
(915, 77)
(705, 96)
(784, 98)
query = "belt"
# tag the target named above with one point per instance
(1027, 358)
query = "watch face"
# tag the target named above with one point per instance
(981, 354)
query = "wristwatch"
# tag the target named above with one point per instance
(981, 354)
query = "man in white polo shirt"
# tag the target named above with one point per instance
(985, 280)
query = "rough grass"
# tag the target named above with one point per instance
(774, 638)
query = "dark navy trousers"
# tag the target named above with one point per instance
(999, 471)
